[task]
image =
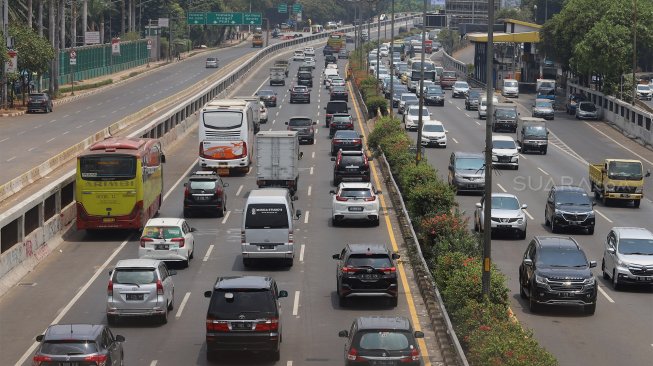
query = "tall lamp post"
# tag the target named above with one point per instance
(420, 119)
(378, 41)
(392, 64)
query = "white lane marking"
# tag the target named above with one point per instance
(165, 197)
(80, 126)
(311, 170)
(454, 140)
(306, 217)
(65, 133)
(542, 170)
(4, 139)
(264, 81)
(50, 140)
(312, 157)
(208, 253)
(114, 111)
(277, 115)
(226, 217)
(10, 159)
(31, 149)
(477, 123)
(301, 253)
(239, 190)
(528, 214)
(91, 121)
(20, 133)
(68, 115)
(310, 188)
(602, 215)
(53, 121)
(522, 157)
(281, 106)
(153, 363)
(624, 147)
(66, 309)
(605, 294)
(501, 187)
(318, 113)
(295, 305)
(273, 121)
(182, 305)
(289, 363)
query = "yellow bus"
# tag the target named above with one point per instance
(336, 41)
(119, 183)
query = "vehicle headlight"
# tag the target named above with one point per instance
(458, 176)
(590, 281)
(539, 279)
(590, 214)
(638, 190)
(520, 221)
(558, 212)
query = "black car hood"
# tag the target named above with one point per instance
(564, 273)
(574, 209)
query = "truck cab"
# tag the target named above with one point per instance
(618, 179)
(505, 117)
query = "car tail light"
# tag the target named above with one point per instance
(100, 360)
(268, 325)
(180, 241)
(291, 237)
(356, 141)
(352, 355)
(342, 199)
(414, 356)
(213, 325)
(110, 288)
(333, 142)
(187, 191)
(218, 192)
(365, 161)
(387, 270)
(244, 149)
(159, 287)
(145, 240)
(40, 358)
(348, 269)
(273, 98)
(242, 237)
(370, 199)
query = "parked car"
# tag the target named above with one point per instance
(382, 340)
(628, 257)
(350, 165)
(555, 271)
(366, 270)
(304, 128)
(572, 102)
(346, 140)
(79, 344)
(569, 207)
(212, 62)
(205, 191)
(507, 215)
(39, 102)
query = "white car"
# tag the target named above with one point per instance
(309, 51)
(505, 151)
(459, 89)
(507, 215)
(336, 82)
(263, 112)
(644, 91)
(510, 88)
(355, 201)
(169, 239)
(332, 66)
(628, 256)
(383, 52)
(434, 134)
(298, 56)
(482, 107)
(411, 117)
(329, 73)
(309, 61)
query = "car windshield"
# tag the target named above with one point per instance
(636, 246)
(222, 120)
(433, 128)
(474, 94)
(625, 170)
(202, 184)
(37, 97)
(341, 119)
(505, 203)
(241, 302)
(470, 164)
(510, 84)
(355, 192)
(415, 112)
(338, 88)
(300, 122)
(300, 89)
(266, 216)
(211, 59)
(371, 260)
(448, 74)
(409, 98)
(139, 276)
(542, 104)
(461, 84)
(265, 93)
(503, 144)
(384, 340)
(68, 347)
(506, 113)
(304, 75)
(535, 131)
(561, 257)
(643, 88)
(587, 107)
(162, 232)
(573, 199)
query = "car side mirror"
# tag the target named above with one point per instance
(524, 206)
(592, 264)
(648, 173)
(332, 192)
(611, 250)
(39, 337)
(343, 334)
(301, 155)
(298, 213)
(163, 158)
(192, 230)
(286, 123)
(418, 334)
(528, 262)
(478, 205)
(185, 184)
(395, 256)
(208, 294)
(325, 108)
(593, 203)
(283, 293)
(119, 338)
(172, 272)
(518, 148)
(225, 185)
(336, 256)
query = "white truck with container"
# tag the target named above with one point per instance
(277, 163)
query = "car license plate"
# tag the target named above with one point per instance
(266, 246)
(565, 294)
(134, 297)
(356, 209)
(68, 363)
(472, 185)
(382, 363)
(640, 278)
(352, 169)
(241, 326)
(369, 276)
(503, 226)
(108, 219)
(161, 246)
(202, 198)
(223, 171)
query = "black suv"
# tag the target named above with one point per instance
(434, 95)
(304, 128)
(305, 78)
(268, 97)
(39, 102)
(472, 99)
(351, 165)
(555, 271)
(381, 340)
(333, 107)
(300, 94)
(366, 270)
(244, 315)
(330, 59)
(569, 207)
(205, 191)
(340, 121)
(79, 344)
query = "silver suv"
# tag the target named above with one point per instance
(140, 287)
(628, 256)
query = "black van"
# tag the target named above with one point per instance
(333, 107)
(244, 315)
(305, 78)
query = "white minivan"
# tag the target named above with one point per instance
(267, 230)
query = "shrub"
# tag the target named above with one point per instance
(86, 86)
(447, 233)
(384, 127)
(429, 198)
(395, 147)
(368, 92)
(376, 102)
(413, 175)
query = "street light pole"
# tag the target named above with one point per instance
(392, 65)
(420, 119)
(487, 213)
(634, 51)
(378, 42)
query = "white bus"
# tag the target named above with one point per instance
(226, 135)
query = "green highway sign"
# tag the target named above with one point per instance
(195, 18)
(224, 18)
(283, 8)
(297, 8)
(252, 19)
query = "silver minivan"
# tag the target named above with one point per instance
(140, 287)
(267, 230)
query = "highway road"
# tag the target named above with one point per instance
(621, 331)
(70, 285)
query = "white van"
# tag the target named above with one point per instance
(510, 88)
(267, 230)
(482, 106)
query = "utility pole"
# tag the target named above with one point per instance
(378, 42)
(392, 64)
(5, 38)
(420, 118)
(487, 207)
(634, 52)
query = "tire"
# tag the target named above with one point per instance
(336, 181)
(220, 212)
(394, 302)
(185, 263)
(247, 262)
(289, 262)
(554, 228)
(544, 151)
(522, 293)
(275, 355)
(192, 254)
(172, 302)
(186, 213)
(532, 305)
(376, 222)
(589, 309)
(476, 227)
(590, 231)
(605, 274)
(163, 318)
(522, 235)
(335, 222)
(615, 281)
(343, 302)
(636, 203)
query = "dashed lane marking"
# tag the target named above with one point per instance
(454, 140)
(501, 187)
(602, 215)
(306, 217)
(239, 190)
(311, 170)
(226, 217)
(528, 214)
(310, 188)
(543, 171)
(182, 305)
(602, 291)
(295, 305)
(208, 253)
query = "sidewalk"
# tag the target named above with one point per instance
(118, 78)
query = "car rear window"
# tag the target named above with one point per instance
(336, 108)
(162, 232)
(355, 193)
(139, 276)
(300, 122)
(68, 347)
(351, 160)
(202, 184)
(385, 340)
(365, 260)
(266, 216)
(250, 301)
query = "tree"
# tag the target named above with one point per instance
(34, 52)
(522, 13)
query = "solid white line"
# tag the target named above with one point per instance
(226, 217)
(454, 140)
(301, 253)
(208, 253)
(310, 188)
(79, 294)
(306, 217)
(542, 170)
(501, 188)
(182, 305)
(528, 214)
(311, 170)
(605, 294)
(602, 215)
(624, 147)
(180, 179)
(153, 363)
(295, 305)
(239, 190)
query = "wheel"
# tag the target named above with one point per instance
(112, 319)
(247, 262)
(615, 281)
(554, 228)
(590, 231)
(544, 151)
(476, 227)
(532, 305)
(636, 203)
(394, 302)
(516, 167)
(522, 293)
(522, 235)
(192, 254)
(220, 212)
(605, 274)
(275, 355)
(336, 181)
(289, 262)
(342, 301)
(186, 212)
(185, 263)
(172, 302)
(335, 222)
(589, 309)
(163, 318)
(376, 222)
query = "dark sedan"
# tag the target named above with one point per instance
(39, 102)
(434, 96)
(340, 121)
(304, 128)
(268, 97)
(339, 92)
(346, 140)
(472, 99)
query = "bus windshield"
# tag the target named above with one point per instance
(222, 120)
(103, 168)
